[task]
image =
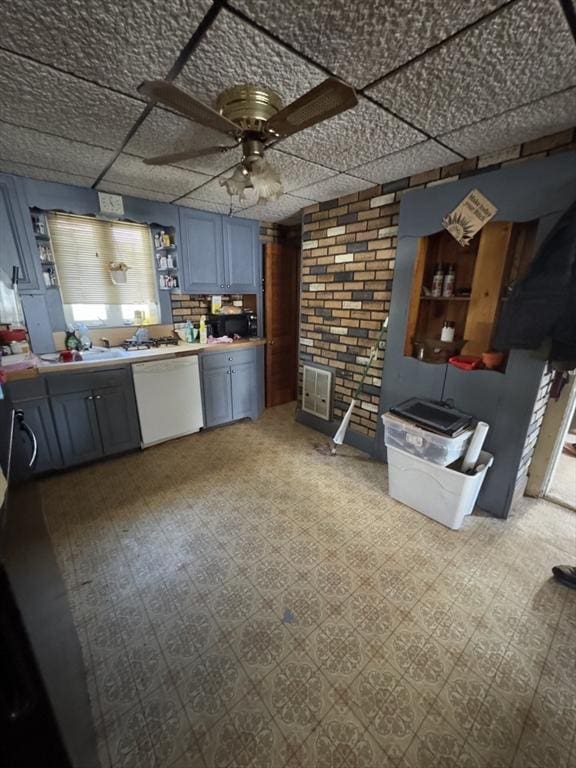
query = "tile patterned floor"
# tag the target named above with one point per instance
(246, 602)
(563, 485)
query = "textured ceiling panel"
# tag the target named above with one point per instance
(163, 132)
(354, 137)
(406, 162)
(129, 191)
(112, 42)
(294, 171)
(32, 172)
(130, 170)
(233, 53)
(33, 95)
(23, 145)
(363, 133)
(556, 113)
(523, 53)
(286, 207)
(339, 33)
(214, 192)
(328, 189)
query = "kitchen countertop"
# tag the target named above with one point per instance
(183, 349)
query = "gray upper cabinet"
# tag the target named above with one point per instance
(17, 243)
(241, 254)
(219, 254)
(201, 252)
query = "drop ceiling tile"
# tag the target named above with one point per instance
(44, 174)
(128, 191)
(521, 54)
(407, 162)
(339, 33)
(111, 43)
(163, 131)
(541, 118)
(214, 192)
(167, 179)
(363, 133)
(329, 189)
(32, 95)
(286, 207)
(24, 145)
(295, 171)
(233, 52)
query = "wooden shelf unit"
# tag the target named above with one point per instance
(485, 269)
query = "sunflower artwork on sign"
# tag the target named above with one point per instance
(469, 217)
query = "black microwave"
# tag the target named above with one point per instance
(229, 325)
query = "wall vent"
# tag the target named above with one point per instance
(317, 392)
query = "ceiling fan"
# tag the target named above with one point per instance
(252, 117)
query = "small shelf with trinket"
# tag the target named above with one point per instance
(165, 261)
(44, 246)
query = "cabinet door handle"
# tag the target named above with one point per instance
(228, 286)
(221, 285)
(232, 371)
(90, 397)
(98, 397)
(32, 437)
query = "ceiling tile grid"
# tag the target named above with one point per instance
(354, 137)
(361, 41)
(407, 162)
(329, 189)
(44, 174)
(233, 52)
(163, 132)
(523, 53)
(543, 117)
(286, 207)
(129, 191)
(207, 205)
(24, 145)
(34, 95)
(117, 43)
(167, 179)
(295, 171)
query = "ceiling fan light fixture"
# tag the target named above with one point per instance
(265, 180)
(237, 183)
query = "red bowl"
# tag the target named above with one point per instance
(465, 362)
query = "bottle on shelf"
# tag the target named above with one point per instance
(157, 240)
(169, 261)
(447, 332)
(203, 333)
(449, 282)
(437, 282)
(166, 242)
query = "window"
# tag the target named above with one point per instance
(84, 248)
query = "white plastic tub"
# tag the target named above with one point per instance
(438, 492)
(404, 435)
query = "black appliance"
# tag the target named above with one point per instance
(45, 716)
(437, 417)
(229, 325)
(252, 324)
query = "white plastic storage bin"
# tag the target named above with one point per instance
(406, 436)
(438, 492)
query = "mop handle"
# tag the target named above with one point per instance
(371, 356)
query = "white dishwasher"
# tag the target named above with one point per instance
(169, 398)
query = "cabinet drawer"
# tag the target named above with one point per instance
(211, 360)
(27, 389)
(62, 383)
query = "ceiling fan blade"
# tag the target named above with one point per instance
(187, 154)
(326, 100)
(172, 97)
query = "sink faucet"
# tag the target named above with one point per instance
(106, 342)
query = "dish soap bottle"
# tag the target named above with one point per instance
(203, 336)
(189, 333)
(437, 282)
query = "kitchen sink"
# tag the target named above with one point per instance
(90, 355)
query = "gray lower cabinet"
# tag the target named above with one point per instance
(95, 414)
(233, 385)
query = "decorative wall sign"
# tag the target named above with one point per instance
(469, 217)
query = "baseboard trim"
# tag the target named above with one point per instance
(361, 442)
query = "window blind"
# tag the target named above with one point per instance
(83, 248)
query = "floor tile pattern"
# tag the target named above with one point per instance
(245, 601)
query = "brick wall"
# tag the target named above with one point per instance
(348, 259)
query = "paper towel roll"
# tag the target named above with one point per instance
(473, 452)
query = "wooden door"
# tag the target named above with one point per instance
(281, 266)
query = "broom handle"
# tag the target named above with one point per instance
(373, 353)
